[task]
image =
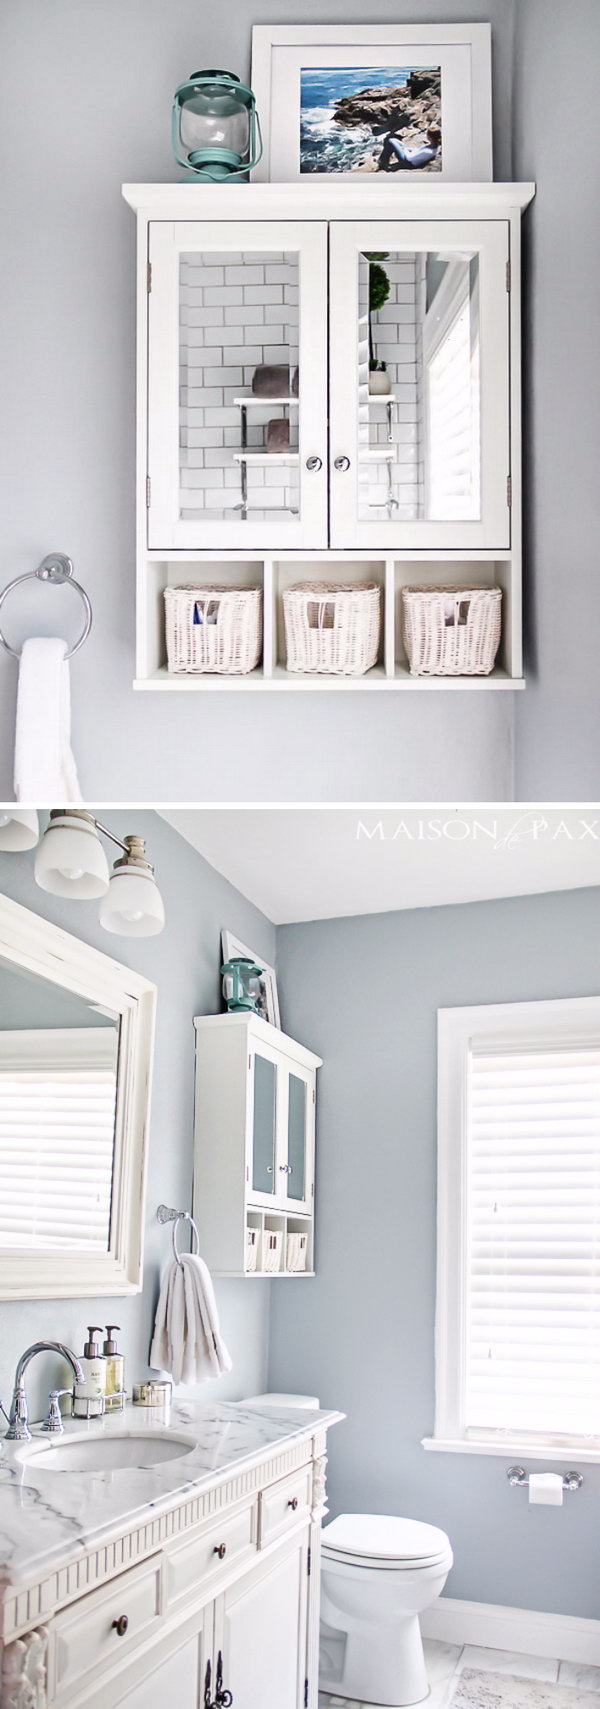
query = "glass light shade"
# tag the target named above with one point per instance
(19, 829)
(215, 128)
(241, 983)
(70, 860)
(133, 906)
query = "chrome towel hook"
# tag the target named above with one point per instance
(56, 568)
(166, 1214)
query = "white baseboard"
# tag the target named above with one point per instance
(520, 1629)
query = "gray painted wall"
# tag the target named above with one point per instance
(184, 964)
(557, 738)
(68, 307)
(364, 993)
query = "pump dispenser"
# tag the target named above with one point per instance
(88, 1397)
(115, 1370)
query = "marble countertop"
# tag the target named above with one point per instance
(51, 1517)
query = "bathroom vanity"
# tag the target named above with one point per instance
(132, 1583)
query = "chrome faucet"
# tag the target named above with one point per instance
(18, 1427)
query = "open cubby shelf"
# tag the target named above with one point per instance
(276, 572)
(283, 1223)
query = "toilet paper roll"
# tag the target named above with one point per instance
(545, 1488)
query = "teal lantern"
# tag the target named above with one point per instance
(241, 983)
(215, 126)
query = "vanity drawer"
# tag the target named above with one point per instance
(87, 1636)
(284, 1504)
(210, 1556)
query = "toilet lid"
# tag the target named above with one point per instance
(379, 1537)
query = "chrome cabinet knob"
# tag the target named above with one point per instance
(342, 463)
(313, 464)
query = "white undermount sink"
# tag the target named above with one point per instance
(89, 1453)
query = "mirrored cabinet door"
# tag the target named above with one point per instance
(264, 1181)
(237, 372)
(296, 1168)
(420, 451)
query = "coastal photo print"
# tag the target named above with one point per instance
(399, 100)
(371, 119)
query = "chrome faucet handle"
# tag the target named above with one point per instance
(53, 1421)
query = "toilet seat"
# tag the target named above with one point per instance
(381, 1542)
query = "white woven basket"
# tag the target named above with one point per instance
(451, 631)
(213, 629)
(332, 628)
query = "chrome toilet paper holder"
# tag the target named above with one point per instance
(517, 1476)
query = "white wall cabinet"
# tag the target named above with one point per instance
(254, 1144)
(325, 479)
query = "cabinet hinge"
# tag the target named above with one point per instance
(149, 276)
(509, 490)
(306, 1694)
(148, 492)
(308, 1562)
(508, 276)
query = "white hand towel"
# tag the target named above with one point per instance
(45, 770)
(187, 1339)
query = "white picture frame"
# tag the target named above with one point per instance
(462, 51)
(231, 947)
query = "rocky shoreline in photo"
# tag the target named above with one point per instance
(405, 111)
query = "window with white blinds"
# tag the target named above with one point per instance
(57, 1126)
(518, 1326)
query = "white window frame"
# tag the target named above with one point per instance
(537, 1025)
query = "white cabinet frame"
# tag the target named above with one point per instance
(276, 557)
(490, 239)
(168, 241)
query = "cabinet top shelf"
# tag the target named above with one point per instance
(426, 198)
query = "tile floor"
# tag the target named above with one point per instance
(445, 1661)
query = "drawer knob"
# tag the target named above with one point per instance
(341, 463)
(293, 1503)
(121, 1626)
(220, 1549)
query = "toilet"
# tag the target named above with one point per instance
(378, 1574)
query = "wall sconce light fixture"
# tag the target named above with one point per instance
(70, 861)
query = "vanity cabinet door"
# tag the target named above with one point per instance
(178, 1680)
(261, 1632)
(425, 463)
(237, 377)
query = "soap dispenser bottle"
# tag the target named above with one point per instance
(115, 1371)
(88, 1396)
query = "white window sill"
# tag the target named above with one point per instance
(512, 1449)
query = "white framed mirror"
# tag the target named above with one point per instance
(76, 1046)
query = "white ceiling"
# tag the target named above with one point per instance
(315, 863)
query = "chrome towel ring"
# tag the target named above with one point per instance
(165, 1214)
(56, 568)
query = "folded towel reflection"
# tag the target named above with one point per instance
(187, 1338)
(45, 770)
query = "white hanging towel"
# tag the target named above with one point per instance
(45, 770)
(187, 1338)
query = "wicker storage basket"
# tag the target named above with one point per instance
(332, 628)
(451, 631)
(213, 629)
